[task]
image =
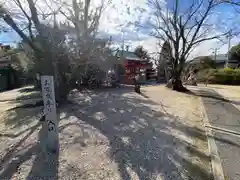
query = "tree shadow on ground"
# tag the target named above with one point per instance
(208, 94)
(28, 89)
(200, 134)
(33, 104)
(15, 135)
(26, 93)
(236, 102)
(32, 95)
(226, 141)
(17, 117)
(44, 166)
(212, 94)
(29, 143)
(222, 114)
(140, 138)
(22, 108)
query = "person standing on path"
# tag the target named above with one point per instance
(137, 84)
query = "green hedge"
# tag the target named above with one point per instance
(205, 74)
(221, 76)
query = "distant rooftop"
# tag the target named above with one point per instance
(219, 58)
(128, 55)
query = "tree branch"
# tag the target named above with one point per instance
(164, 19)
(34, 16)
(7, 18)
(209, 38)
(18, 3)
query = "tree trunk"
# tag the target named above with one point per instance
(176, 84)
(62, 89)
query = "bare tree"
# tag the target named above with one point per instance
(236, 6)
(82, 24)
(183, 27)
(141, 53)
(58, 48)
(45, 40)
(233, 2)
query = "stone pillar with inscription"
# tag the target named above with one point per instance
(51, 122)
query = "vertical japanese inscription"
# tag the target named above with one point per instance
(49, 102)
(51, 124)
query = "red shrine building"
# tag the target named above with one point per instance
(130, 64)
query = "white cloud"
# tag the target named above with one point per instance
(208, 47)
(149, 44)
(123, 15)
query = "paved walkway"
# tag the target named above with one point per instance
(224, 115)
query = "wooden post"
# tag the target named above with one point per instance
(51, 123)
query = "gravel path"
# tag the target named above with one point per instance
(110, 135)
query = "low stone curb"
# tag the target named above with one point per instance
(216, 164)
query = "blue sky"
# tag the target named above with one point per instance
(126, 15)
(9, 38)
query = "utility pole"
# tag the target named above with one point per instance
(122, 44)
(229, 45)
(119, 63)
(215, 54)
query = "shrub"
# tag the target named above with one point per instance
(234, 53)
(206, 63)
(226, 76)
(220, 76)
(205, 74)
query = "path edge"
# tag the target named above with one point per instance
(216, 164)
